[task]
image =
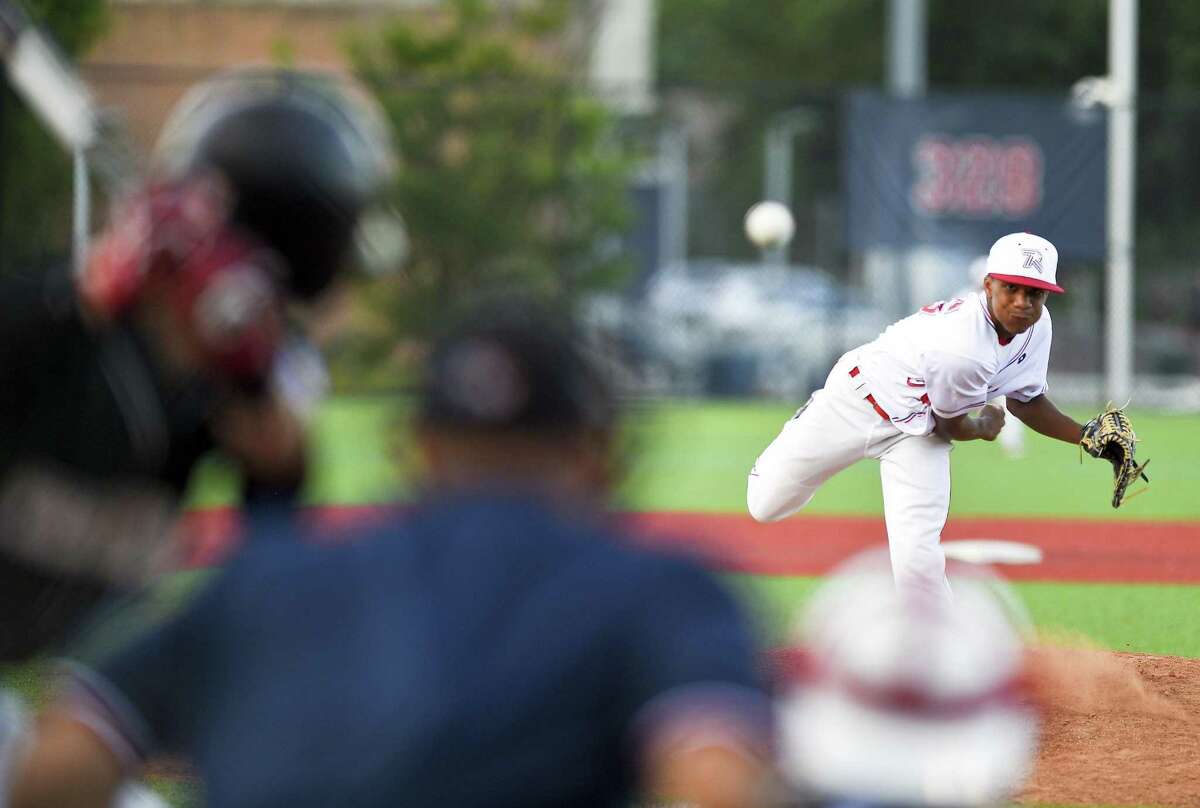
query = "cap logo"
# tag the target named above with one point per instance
(484, 380)
(1033, 259)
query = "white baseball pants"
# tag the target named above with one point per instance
(837, 428)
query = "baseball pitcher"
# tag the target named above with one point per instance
(924, 383)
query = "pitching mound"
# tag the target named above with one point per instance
(1119, 729)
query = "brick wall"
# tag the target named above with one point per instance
(154, 50)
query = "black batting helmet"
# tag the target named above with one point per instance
(303, 153)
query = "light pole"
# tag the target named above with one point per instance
(907, 78)
(906, 48)
(778, 162)
(1122, 142)
(672, 172)
(1118, 93)
(81, 209)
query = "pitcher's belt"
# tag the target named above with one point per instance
(854, 371)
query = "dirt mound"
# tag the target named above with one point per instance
(1118, 729)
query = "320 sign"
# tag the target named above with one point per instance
(977, 176)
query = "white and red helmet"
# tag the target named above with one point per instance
(906, 698)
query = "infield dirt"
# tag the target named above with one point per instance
(1118, 729)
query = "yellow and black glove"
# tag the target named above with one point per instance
(1110, 436)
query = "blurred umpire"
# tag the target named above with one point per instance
(499, 645)
(173, 339)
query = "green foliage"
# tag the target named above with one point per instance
(35, 174)
(74, 24)
(511, 178)
(768, 43)
(1025, 44)
(1028, 45)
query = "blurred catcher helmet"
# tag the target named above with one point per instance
(303, 154)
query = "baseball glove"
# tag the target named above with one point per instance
(1109, 436)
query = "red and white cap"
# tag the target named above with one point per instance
(1024, 259)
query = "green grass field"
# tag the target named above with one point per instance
(693, 456)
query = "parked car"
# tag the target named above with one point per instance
(720, 328)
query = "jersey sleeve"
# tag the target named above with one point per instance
(141, 694)
(691, 664)
(955, 384)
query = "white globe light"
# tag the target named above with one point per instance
(769, 225)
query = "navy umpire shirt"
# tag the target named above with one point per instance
(485, 649)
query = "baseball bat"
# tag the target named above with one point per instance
(40, 74)
(56, 94)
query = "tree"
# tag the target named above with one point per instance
(766, 45)
(824, 44)
(511, 177)
(35, 174)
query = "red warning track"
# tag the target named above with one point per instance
(1073, 550)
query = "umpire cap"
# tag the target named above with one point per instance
(515, 368)
(304, 155)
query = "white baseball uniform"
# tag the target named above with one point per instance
(879, 402)
(1012, 435)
